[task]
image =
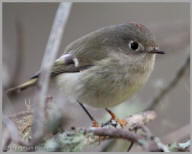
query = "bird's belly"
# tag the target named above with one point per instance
(108, 90)
(100, 90)
(103, 98)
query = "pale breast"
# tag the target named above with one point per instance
(107, 90)
(104, 86)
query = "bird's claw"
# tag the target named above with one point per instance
(95, 124)
(122, 123)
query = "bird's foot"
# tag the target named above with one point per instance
(95, 124)
(122, 123)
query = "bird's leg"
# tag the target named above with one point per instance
(122, 123)
(94, 122)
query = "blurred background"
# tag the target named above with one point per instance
(26, 28)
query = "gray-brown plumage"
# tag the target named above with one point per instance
(105, 67)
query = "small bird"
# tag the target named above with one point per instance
(106, 67)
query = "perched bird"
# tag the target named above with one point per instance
(106, 67)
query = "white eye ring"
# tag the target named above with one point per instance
(135, 46)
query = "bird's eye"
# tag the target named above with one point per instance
(133, 45)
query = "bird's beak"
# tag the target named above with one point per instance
(156, 51)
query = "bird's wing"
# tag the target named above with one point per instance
(65, 64)
(78, 55)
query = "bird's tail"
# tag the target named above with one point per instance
(23, 86)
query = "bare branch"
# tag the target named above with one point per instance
(137, 120)
(148, 143)
(116, 133)
(47, 63)
(77, 138)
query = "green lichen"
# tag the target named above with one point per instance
(69, 141)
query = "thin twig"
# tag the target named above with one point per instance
(48, 60)
(130, 146)
(171, 85)
(148, 145)
(131, 143)
(116, 133)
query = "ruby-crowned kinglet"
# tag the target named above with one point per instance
(105, 67)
